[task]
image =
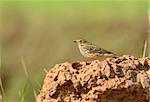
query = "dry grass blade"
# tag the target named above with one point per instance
(35, 94)
(144, 50)
(45, 70)
(24, 67)
(3, 92)
(1, 84)
(148, 41)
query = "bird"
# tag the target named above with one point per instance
(90, 50)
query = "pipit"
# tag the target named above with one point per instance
(90, 50)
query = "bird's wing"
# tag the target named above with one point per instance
(90, 47)
(100, 50)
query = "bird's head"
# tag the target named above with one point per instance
(80, 41)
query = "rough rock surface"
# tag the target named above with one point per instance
(120, 79)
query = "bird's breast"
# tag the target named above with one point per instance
(87, 53)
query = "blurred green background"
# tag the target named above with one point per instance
(42, 33)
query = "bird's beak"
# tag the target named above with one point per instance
(74, 41)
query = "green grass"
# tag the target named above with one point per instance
(22, 92)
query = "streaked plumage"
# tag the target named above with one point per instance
(90, 50)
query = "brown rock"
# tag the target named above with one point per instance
(120, 79)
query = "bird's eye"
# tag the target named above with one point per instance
(90, 48)
(80, 41)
